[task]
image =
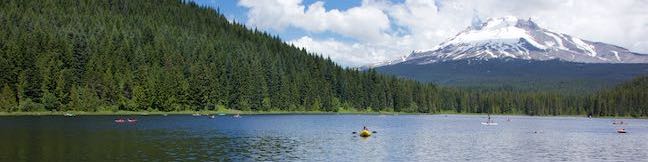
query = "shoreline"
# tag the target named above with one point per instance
(233, 112)
(227, 112)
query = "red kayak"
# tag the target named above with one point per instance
(621, 130)
(120, 121)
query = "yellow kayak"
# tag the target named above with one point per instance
(364, 133)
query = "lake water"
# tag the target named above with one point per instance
(320, 138)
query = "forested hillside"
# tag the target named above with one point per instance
(167, 55)
(91, 55)
(630, 98)
(534, 75)
(627, 99)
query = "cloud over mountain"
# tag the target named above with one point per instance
(379, 30)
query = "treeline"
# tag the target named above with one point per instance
(169, 55)
(627, 99)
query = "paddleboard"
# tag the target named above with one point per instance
(485, 123)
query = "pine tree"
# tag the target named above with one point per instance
(8, 101)
(76, 103)
(50, 101)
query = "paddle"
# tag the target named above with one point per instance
(371, 132)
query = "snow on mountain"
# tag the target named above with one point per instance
(510, 37)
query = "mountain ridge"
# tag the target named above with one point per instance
(510, 37)
(520, 74)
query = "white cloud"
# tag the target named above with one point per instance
(343, 53)
(423, 24)
(365, 23)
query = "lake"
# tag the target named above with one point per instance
(320, 138)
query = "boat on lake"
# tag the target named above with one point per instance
(618, 122)
(69, 114)
(489, 121)
(622, 130)
(364, 133)
(120, 120)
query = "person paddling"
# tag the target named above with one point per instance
(489, 119)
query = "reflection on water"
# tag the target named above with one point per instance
(320, 138)
(180, 146)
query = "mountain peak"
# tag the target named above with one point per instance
(499, 22)
(511, 37)
(507, 29)
(502, 22)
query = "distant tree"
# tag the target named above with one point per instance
(8, 101)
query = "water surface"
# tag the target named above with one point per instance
(320, 138)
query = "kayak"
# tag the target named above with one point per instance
(364, 133)
(488, 123)
(621, 131)
(120, 120)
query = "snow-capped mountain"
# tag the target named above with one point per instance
(514, 52)
(513, 38)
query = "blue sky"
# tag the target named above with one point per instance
(233, 11)
(360, 32)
